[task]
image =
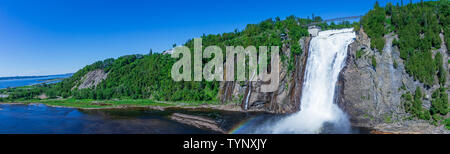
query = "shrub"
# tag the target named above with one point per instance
(359, 54)
(395, 64)
(439, 102)
(374, 62)
(447, 123)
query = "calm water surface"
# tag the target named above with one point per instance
(42, 119)
(5, 83)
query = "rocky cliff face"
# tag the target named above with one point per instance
(91, 79)
(284, 100)
(372, 95)
(369, 94)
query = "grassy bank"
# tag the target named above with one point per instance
(99, 104)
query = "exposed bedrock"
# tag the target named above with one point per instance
(91, 79)
(197, 121)
(286, 99)
(371, 96)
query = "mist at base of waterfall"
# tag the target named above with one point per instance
(264, 124)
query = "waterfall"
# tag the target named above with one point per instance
(319, 113)
(249, 91)
(327, 53)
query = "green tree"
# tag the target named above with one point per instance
(442, 73)
(439, 103)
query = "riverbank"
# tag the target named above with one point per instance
(129, 103)
(92, 105)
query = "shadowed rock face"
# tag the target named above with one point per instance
(286, 99)
(368, 93)
(92, 79)
(371, 96)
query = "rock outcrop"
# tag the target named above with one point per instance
(371, 95)
(286, 99)
(197, 121)
(91, 79)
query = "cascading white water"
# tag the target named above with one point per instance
(327, 53)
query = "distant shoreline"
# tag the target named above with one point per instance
(22, 81)
(32, 77)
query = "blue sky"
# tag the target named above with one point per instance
(41, 37)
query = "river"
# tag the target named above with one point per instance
(42, 119)
(11, 82)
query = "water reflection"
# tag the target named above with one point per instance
(42, 119)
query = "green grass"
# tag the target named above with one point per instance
(92, 103)
(71, 103)
(195, 103)
(89, 103)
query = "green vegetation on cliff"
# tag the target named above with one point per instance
(374, 62)
(442, 73)
(418, 27)
(438, 109)
(439, 103)
(373, 24)
(413, 105)
(447, 123)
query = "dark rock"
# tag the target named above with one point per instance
(286, 99)
(197, 121)
(372, 96)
